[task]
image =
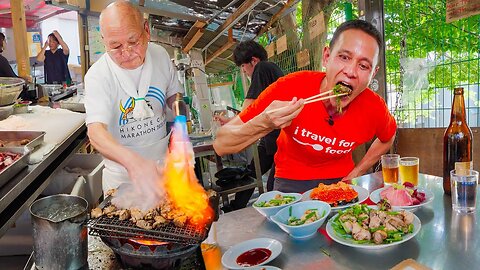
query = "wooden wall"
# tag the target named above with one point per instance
(427, 144)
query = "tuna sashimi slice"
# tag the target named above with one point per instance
(396, 197)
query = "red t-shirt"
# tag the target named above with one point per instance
(310, 148)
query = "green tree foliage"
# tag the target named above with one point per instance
(418, 29)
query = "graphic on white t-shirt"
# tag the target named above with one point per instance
(153, 96)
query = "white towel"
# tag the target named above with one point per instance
(141, 110)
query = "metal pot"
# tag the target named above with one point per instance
(59, 234)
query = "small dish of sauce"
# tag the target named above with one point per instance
(254, 257)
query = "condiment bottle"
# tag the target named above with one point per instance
(457, 142)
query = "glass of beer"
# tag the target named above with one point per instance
(390, 168)
(409, 170)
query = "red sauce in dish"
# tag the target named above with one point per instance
(254, 257)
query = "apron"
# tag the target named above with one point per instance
(115, 174)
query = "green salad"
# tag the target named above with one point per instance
(369, 226)
(276, 201)
(309, 216)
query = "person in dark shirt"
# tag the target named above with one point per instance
(5, 68)
(251, 57)
(55, 60)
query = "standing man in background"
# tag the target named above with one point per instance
(251, 57)
(55, 60)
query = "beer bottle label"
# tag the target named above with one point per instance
(463, 168)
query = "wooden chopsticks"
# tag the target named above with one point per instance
(315, 98)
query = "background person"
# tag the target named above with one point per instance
(55, 60)
(251, 57)
(316, 141)
(127, 92)
(5, 68)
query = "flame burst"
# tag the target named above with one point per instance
(182, 186)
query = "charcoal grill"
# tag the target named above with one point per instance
(182, 242)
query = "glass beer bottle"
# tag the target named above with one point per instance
(457, 141)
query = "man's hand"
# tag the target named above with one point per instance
(57, 35)
(279, 114)
(222, 119)
(146, 175)
(46, 44)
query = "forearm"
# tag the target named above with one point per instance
(376, 150)
(108, 146)
(41, 55)
(237, 135)
(65, 48)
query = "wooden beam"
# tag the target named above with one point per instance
(217, 53)
(241, 11)
(20, 36)
(194, 34)
(275, 17)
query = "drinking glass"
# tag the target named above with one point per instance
(390, 168)
(212, 255)
(464, 190)
(409, 170)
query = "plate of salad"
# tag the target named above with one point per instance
(365, 227)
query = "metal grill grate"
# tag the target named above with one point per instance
(115, 228)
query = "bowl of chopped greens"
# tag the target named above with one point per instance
(269, 203)
(302, 219)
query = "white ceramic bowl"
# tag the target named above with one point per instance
(229, 258)
(272, 210)
(298, 209)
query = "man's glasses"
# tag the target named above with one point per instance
(120, 50)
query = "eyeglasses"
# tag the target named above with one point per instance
(129, 48)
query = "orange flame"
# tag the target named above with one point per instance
(148, 242)
(182, 186)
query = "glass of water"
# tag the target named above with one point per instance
(464, 190)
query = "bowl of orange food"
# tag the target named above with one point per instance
(339, 195)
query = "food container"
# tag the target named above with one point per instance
(35, 137)
(10, 89)
(272, 210)
(6, 111)
(297, 210)
(10, 171)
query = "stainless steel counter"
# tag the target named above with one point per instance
(446, 240)
(18, 193)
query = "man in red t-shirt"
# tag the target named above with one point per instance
(317, 139)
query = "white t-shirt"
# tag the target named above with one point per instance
(107, 103)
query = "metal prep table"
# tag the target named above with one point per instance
(18, 193)
(446, 240)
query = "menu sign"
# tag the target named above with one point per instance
(459, 9)
(303, 58)
(270, 48)
(281, 44)
(316, 26)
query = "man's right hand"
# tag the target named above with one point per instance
(147, 176)
(46, 44)
(279, 114)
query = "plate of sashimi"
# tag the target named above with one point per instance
(403, 196)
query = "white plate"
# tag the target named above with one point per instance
(229, 258)
(264, 267)
(375, 198)
(362, 196)
(349, 242)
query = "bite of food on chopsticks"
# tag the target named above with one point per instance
(341, 89)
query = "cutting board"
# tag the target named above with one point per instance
(58, 124)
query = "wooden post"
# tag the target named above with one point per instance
(20, 37)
